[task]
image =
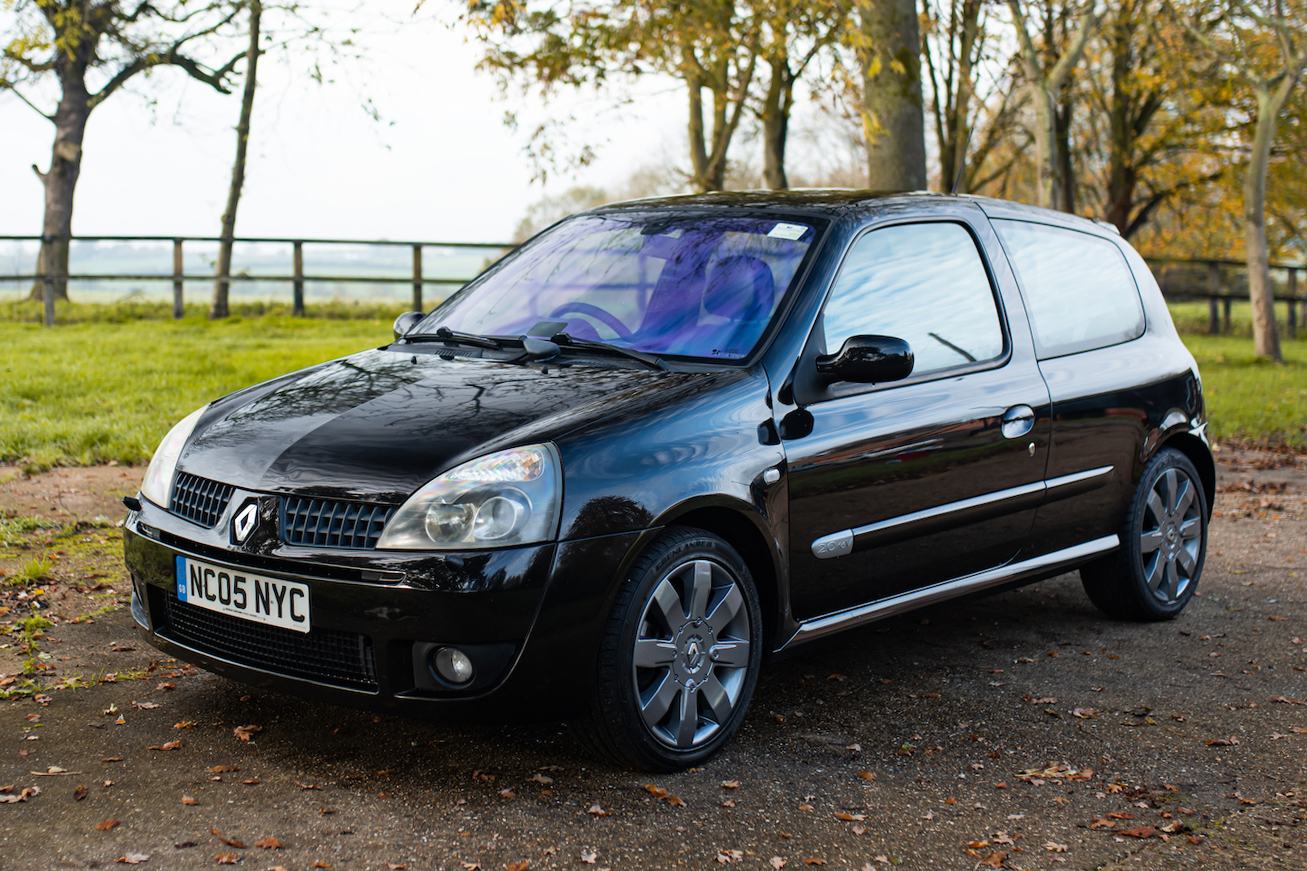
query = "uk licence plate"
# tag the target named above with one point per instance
(273, 601)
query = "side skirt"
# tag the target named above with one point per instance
(820, 627)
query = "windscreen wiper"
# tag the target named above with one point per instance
(445, 334)
(565, 341)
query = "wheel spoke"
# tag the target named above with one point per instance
(731, 654)
(1185, 498)
(701, 591)
(657, 701)
(688, 714)
(1172, 580)
(725, 610)
(1155, 507)
(1191, 529)
(1157, 573)
(668, 603)
(1187, 562)
(654, 653)
(1150, 541)
(717, 699)
(1172, 489)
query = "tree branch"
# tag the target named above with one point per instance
(9, 86)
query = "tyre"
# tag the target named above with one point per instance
(1155, 572)
(680, 656)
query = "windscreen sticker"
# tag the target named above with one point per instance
(793, 232)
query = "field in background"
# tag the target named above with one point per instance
(107, 383)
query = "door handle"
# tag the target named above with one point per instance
(1017, 421)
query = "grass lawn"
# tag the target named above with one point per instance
(99, 390)
(87, 393)
(1250, 400)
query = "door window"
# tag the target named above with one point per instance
(1078, 288)
(924, 283)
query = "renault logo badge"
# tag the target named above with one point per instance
(244, 522)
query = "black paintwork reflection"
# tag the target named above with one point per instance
(376, 426)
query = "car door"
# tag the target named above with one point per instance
(900, 486)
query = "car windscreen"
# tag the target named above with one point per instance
(701, 285)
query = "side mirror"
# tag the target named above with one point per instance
(405, 322)
(868, 360)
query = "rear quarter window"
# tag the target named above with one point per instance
(1078, 288)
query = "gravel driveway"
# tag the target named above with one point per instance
(1023, 730)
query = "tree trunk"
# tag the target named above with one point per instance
(60, 180)
(1065, 194)
(1266, 340)
(966, 88)
(222, 284)
(698, 147)
(892, 108)
(775, 124)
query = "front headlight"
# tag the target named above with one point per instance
(158, 477)
(503, 499)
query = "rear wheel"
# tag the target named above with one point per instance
(1155, 572)
(680, 657)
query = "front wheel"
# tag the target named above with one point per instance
(680, 657)
(1155, 572)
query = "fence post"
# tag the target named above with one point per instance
(47, 284)
(178, 285)
(1213, 290)
(417, 278)
(298, 307)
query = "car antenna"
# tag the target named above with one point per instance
(962, 164)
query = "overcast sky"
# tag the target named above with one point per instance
(440, 165)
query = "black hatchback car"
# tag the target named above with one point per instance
(664, 439)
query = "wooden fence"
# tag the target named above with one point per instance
(1179, 279)
(298, 278)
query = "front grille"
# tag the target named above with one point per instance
(328, 656)
(325, 523)
(199, 500)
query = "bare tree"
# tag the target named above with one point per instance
(222, 282)
(887, 41)
(1263, 44)
(1046, 78)
(69, 43)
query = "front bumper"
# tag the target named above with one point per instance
(530, 618)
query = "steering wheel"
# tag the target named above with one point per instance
(584, 308)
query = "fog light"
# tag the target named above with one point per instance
(453, 665)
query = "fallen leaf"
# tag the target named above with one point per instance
(508, 793)
(145, 706)
(1221, 742)
(656, 791)
(777, 862)
(995, 859)
(112, 759)
(230, 842)
(519, 866)
(726, 857)
(107, 825)
(391, 866)
(596, 810)
(869, 776)
(542, 778)
(328, 865)
(171, 745)
(268, 843)
(1144, 832)
(222, 769)
(730, 802)
(859, 830)
(1116, 816)
(814, 861)
(849, 818)
(134, 858)
(1084, 713)
(228, 859)
(730, 784)
(187, 800)
(1054, 847)
(250, 781)
(307, 785)
(184, 724)
(1298, 730)
(245, 733)
(1100, 823)
(588, 856)
(78, 794)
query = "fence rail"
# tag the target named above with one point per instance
(1213, 285)
(298, 278)
(1180, 279)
